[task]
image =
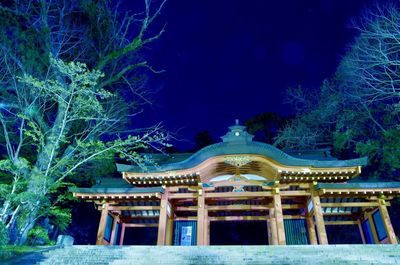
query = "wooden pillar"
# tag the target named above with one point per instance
(121, 239)
(274, 232)
(163, 219)
(372, 226)
(280, 227)
(386, 222)
(312, 236)
(269, 233)
(206, 227)
(319, 218)
(170, 229)
(102, 224)
(361, 231)
(112, 238)
(170, 226)
(201, 218)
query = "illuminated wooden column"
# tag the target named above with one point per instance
(170, 226)
(319, 219)
(163, 219)
(312, 236)
(361, 231)
(368, 215)
(386, 222)
(269, 231)
(201, 217)
(280, 227)
(115, 223)
(121, 239)
(102, 224)
(206, 227)
(272, 226)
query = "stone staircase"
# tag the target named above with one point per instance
(291, 255)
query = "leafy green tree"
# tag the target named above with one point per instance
(71, 78)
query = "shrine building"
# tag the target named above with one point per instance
(297, 195)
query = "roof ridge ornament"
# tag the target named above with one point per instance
(237, 160)
(237, 133)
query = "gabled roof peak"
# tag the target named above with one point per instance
(237, 133)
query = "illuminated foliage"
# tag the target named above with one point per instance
(71, 79)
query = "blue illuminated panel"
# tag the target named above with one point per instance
(109, 226)
(380, 228)
(366, 227)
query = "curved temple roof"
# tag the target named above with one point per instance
(239, 141)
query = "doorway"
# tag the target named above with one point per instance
(238, 233)
(141, 236)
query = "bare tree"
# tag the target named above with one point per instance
(370, 71)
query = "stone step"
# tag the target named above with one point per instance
(213, 255)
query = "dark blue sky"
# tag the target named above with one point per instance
(227, 59)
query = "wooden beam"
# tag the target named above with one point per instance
(189, 188)
(245, 194)
(140, 225)
(386, 222)
(115, 196)
(338, 213)
(238, 218)
(174, 196)
(319, 218)
(237, 207)
(348, 204)
(102, 225)
(294, 193)
(163, 219)
(341, 223)
(133, 208)
(296, 216)
(185, 209)
(292, 206)
(279, 219)
(186, 218)
(140, 216)
(360, 192)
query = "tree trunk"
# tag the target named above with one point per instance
(22, 235)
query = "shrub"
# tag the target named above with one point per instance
(38, 236)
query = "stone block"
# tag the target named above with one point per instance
(65, 240)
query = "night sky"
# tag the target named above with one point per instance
(227, 59)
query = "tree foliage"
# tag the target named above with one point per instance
(265, 126)
(358, 108)
(72, 76)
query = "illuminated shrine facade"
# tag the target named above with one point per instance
(296, 194)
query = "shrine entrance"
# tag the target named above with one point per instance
(242, 192)
(238, 233)
(140, 236)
